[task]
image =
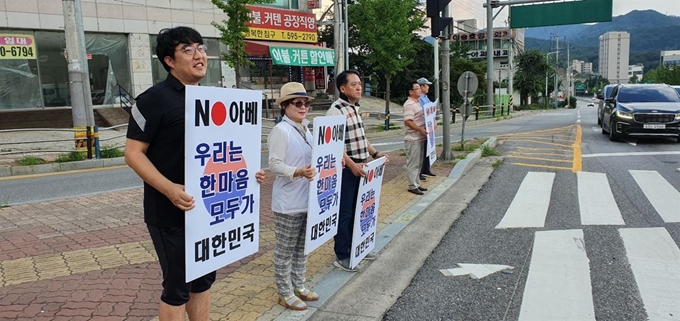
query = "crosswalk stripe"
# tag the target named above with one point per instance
(596, 200)
(663, 196)
(558, 284)
(530, 205)
(655, 260)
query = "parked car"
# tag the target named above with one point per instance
(606, 92)
(677, 88)
(642, 110)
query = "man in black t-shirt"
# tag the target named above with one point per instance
(155, 151)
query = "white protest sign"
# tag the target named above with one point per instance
(324, 190)
(222, 154)
(430, 111)
(366, 212)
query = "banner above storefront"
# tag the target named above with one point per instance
(306, 57)
(281, 25)
(17, 46)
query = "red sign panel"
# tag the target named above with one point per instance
(271, 18)
(319, 78)
(313, 4)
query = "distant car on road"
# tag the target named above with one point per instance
(642, 110)
(591, 104)
(606, 92)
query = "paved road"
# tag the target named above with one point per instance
(601, 243)
(17, 190)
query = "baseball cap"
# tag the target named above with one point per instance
(423, 81)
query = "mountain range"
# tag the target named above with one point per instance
(650, 32)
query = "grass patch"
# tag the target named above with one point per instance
(470, 147)
(497, 164)
(5, 201)
(71, 157)
(461, 156)
(30, 160)
(402, 153)
(111, 152)
(381, 128)
(489, 151)
(2, 150)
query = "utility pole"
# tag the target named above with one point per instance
(511, 73)
(489, 52)
(446, 90)
(436, 69)
(568, 76)
(338, 39)
(557, 65)
(76, 57)
(346, 33)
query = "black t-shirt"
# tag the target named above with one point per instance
(157, 118)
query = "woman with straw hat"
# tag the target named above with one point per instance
(290, 158)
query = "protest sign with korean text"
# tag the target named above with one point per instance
(324, 190)
(366, 212)
(430, 111)
(222, 156)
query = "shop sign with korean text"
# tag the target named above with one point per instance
(366, 212)
(306, 57)
(17, 46)
(324, 190)
(281, 25)
(222, 154)
(430, 111)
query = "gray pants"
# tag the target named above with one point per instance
(290, 262)
(414, 161)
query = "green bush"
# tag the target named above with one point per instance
(111, 152)
(30, 160)
(71, 157)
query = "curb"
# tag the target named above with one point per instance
(336, 279)
(60, 167)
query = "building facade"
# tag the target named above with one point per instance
(587, 68)
(636, 70)
(577, 66)
(614, 56)
(670, 58)
(120, 43)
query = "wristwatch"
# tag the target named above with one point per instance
(375, 155)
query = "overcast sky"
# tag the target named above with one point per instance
(472, 9)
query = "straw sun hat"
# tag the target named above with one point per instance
(292, 90)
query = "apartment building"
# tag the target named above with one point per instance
(614, 56)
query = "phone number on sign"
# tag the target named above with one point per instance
(267, 34)
(16, 52)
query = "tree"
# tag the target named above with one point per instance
(531, 69)
(233, 32)
(663, 75)
(385, 30)
(634, 79)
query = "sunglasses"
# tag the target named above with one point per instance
(299, 104)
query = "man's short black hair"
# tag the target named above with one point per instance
(342, 77)
(169, 38)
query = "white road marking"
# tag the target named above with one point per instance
(631, 154)
(655, 260)
(558, 284)
(663, 196)
(596, 200)
(530, 205)
(476, 271)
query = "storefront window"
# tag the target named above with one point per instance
(213, 75)
(261, 77)
(19, 80)
(285, 4)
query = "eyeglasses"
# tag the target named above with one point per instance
(417, 88)
(191, 50)
(299, 104)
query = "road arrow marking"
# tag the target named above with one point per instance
(476, 271)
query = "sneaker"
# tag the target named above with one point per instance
(370, 256)
(344, 265)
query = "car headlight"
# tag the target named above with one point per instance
(677, 116)
(624, 115)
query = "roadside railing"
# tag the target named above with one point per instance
(125, 99)
(88, 136)
(483, 111)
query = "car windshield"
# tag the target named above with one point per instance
(647, 94)
(677, 89)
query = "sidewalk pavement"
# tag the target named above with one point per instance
(90, 258)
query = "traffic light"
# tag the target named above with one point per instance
(437, 23)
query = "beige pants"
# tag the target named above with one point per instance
(414, 161)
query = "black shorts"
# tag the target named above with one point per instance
(169, 244)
